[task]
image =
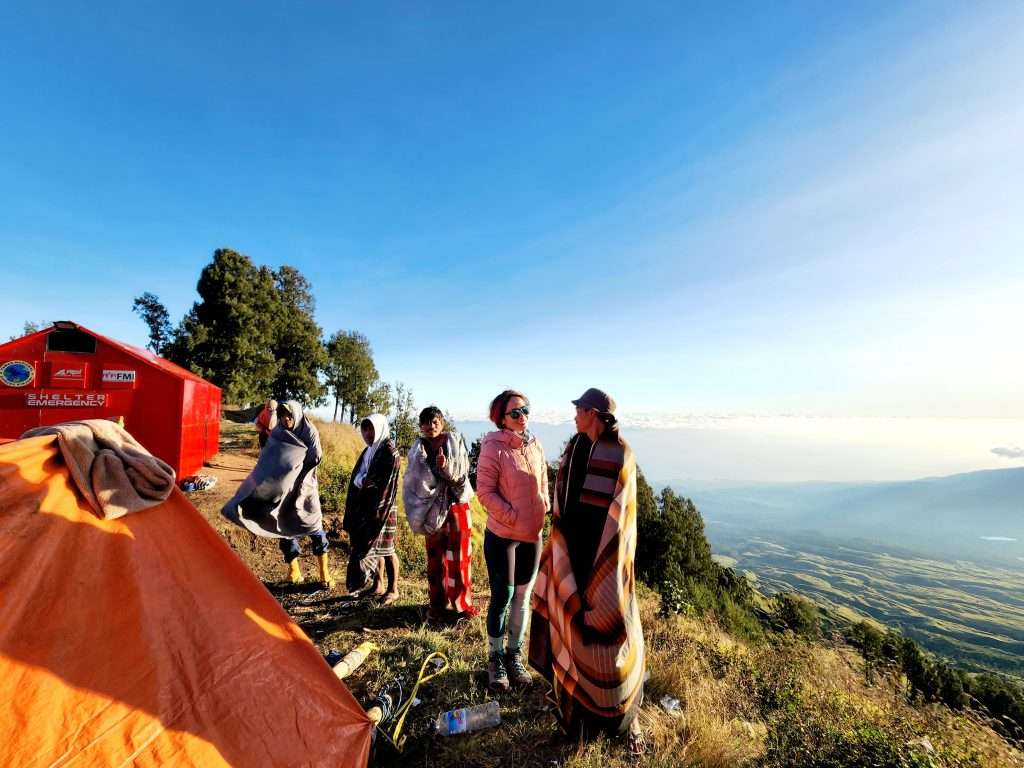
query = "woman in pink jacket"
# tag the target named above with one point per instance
(512, 484)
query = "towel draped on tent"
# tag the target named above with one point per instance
(113, 471)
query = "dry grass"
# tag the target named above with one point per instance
(835, 681)
(342, 443)
(782, 703)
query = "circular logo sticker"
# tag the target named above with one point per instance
(17, 373)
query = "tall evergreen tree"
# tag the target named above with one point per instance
(404, 419)
(29, 327)
(297, 348)
(228, 336)
(671, 545)
(379, 399)
(350, 373)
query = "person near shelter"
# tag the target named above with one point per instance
(280, 498)
(436, 493)
(265, 422)
(512, 483)
(371, 514)
(585, 634)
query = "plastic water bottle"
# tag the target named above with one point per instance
(469, 719)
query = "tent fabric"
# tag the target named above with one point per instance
(145, 641)
(115, 474)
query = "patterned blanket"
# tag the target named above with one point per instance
(428, 492)
(585, 638)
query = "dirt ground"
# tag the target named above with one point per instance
(323, 614)
(336, 623)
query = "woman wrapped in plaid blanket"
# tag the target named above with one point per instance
(585, 635)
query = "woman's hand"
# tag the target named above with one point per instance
(441, 460)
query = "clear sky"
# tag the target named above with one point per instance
(771, 208)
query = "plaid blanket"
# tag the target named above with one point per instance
(586, 638)
(371, 514)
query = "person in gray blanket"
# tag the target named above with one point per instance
(280, 499)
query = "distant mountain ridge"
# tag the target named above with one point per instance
(974, 515)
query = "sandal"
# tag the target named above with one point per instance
(636, 741)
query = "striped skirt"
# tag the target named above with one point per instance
(366, 555)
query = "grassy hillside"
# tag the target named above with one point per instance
(781, 702)
(967, 612)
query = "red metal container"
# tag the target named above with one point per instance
(67, 372)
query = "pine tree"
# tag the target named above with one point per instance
(297, 348)
(228, 336)
(351, 374)
(154, 314)
(404, 422)
(252, 332)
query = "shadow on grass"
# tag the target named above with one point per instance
(338, 614)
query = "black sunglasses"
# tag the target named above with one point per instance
(518, 413)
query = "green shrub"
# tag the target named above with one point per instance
(777, 687)
(333, 479)
(1001, 699)
(673, 556)
(869, 640)
(797, 614)
(808, 739)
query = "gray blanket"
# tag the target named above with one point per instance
(280, 498)
(428, 492)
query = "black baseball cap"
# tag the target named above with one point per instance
(597, 400)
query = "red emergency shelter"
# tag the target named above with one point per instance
(67, 372)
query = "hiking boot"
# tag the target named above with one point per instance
(497, 677)
(325, 572)
(518, 674)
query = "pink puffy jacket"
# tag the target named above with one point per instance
(512, 483)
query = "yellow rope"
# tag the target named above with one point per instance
(397, 740)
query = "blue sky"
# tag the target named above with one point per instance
(786, 208)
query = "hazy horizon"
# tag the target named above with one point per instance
(740, 450)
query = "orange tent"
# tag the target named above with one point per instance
(145, 640)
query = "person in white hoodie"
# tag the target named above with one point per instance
(371, 514)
